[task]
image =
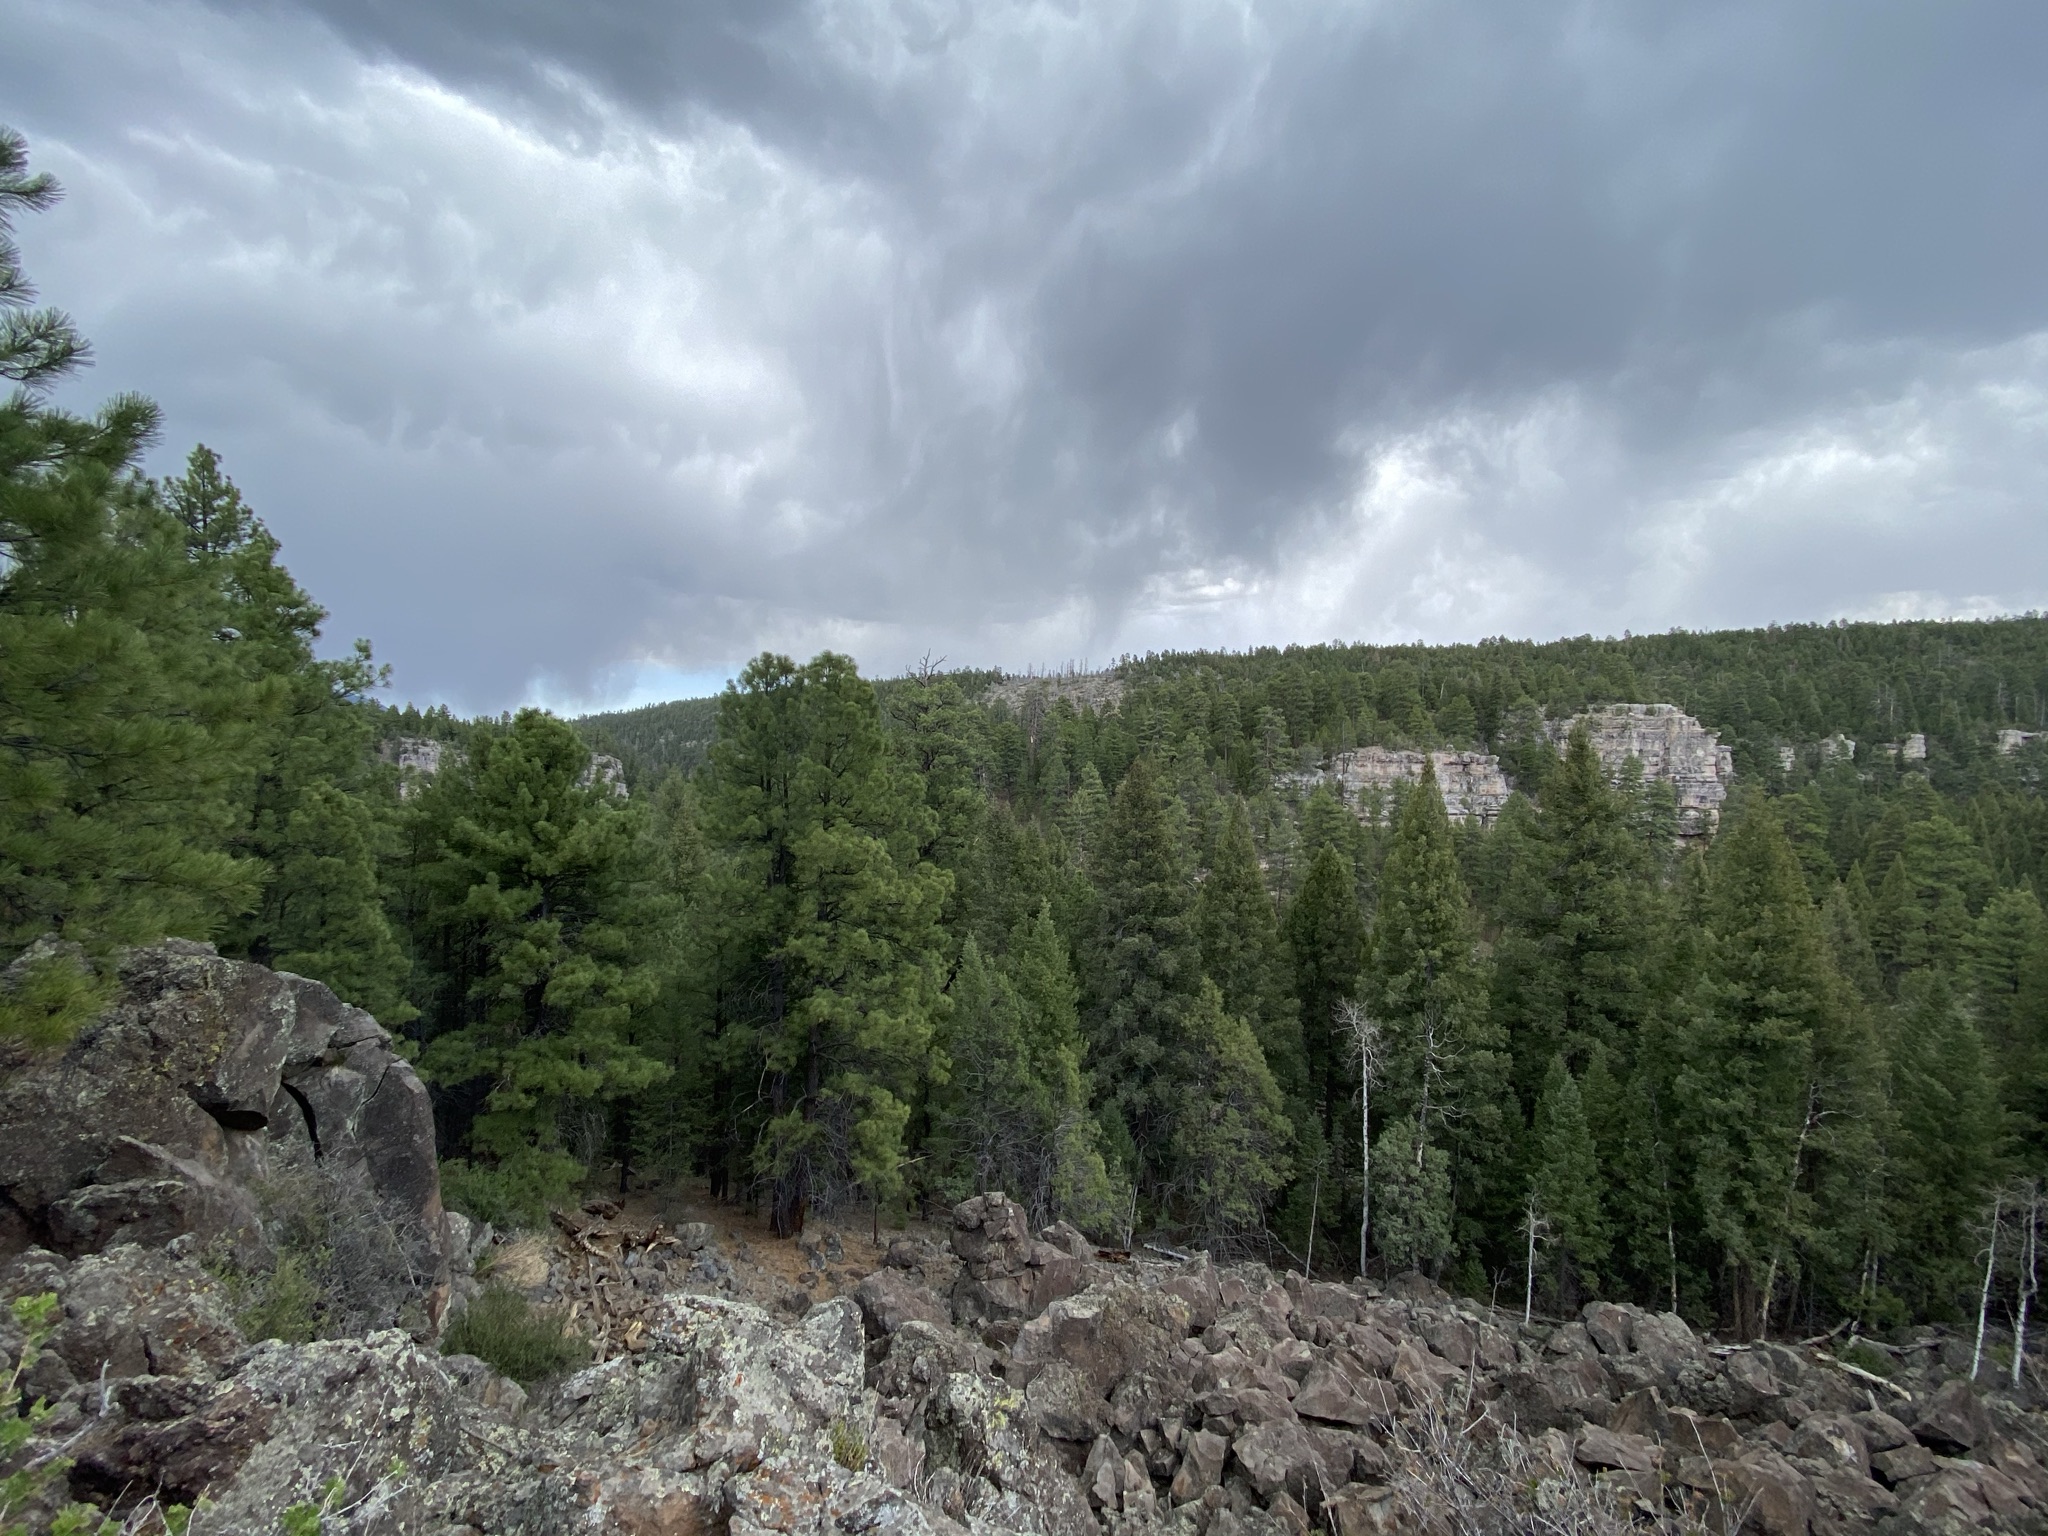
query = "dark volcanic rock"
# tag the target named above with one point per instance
(204, 1078)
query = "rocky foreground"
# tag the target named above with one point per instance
(997, 1381)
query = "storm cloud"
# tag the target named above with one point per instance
(583, 350)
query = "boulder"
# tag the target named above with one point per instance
(1198, 1285)
(1699, 1434)
(1007, 1274)
(1779, 1497)
(1611, 1328)
(1327, 1393)
(1880, 1431)
(204, 1079)
(1902, 1464)
(1602, 1449)
(980, 1425)
(888, 1299)
(1962, 1494)
(1663, 1341)
(1954, 1421)
(1279, 1457)
(1451, 1337)
(1364, 1509)
(1831, 1438)
(1060, 1403)
(1201, 1466)
(141, 1312)
(1102, 1333)
(1849, 1498)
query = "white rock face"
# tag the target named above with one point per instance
(416, 757)
(1838, 748)
(1673, 747)
(2010, 742)
(1473, 786)
(606, 771)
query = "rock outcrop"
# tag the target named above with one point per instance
(1472, 784)
(1672, 747)
(206, 1083)
(1186, 1399)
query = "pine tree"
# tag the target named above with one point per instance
(1565, 1183)
(540, 879)
(1229, 1128)
(1423, 984)
(1242, 951)
(124, 727)
(37, 346)
(1085, 812)
(829, 947)
(1013, 1114)
(1145, 968)
(1411, 1198)
(1570, 971)
(1944, 1150)
(1325, 936)
(314, 812)
(1746, 1089)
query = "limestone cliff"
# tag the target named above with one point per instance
(1673, 748)
(1473, 786)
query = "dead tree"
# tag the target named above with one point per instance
(1366, 1041)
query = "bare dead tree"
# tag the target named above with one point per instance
(1990, 1268)
(2030, 1192)
(1536, 1228)
(1366, 1040)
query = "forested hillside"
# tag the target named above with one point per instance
(882, 945)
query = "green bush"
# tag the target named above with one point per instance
(507, 1332)
(282, 1302)
(513, 1194)
(1857, 1353)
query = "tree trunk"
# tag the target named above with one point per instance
(1984, 1296)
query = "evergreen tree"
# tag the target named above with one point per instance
(540, 882)
(1230, 1134)
(124, 725)
(1014, 1113)
(1565, 1183)
(831, 947)
(1411, 1198)
(1145, 967)
(1423, 983)
(1326, 940)
(1944, 1152)
(314, 812)
(1242, 951)
(1746, 1089)
(1569, 971)
(1085, 812)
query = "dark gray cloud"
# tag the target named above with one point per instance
(573, 347)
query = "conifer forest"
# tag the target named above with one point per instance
(1124, 945)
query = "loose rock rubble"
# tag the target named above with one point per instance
(1029, 1389)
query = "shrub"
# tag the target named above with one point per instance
(513, 1194)
(282, 1302)
(1862, 1355)
(339, 1264)
(507, 1332)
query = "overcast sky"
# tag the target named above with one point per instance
(578, 351)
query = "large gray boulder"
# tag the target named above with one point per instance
(1007, 1273)
(205, 1080)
